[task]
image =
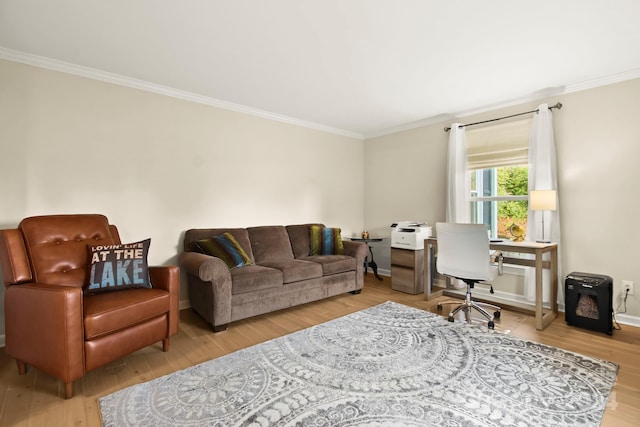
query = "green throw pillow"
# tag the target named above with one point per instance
(325, 241)
(116, 267)
(225, 247)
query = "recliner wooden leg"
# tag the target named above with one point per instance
(22, 367)
(68, 390)
(165, 344)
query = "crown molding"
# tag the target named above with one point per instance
(92, 73)
(603, 81)
(411, 125)
(542, 94)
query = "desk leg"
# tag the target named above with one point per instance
(543, 319)
(428, 275)
(554, 282)
(539, 313)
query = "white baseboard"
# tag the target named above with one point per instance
(2, 341)
(625, 319)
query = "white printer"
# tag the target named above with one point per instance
(409, 235)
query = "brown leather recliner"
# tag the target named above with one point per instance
(52, 324)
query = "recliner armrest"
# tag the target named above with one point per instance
(14, 261)
(44, 328)
(168, 278)
(165, 277)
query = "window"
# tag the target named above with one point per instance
(497, 158)
(499, 198)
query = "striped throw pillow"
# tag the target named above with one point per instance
(225, 247)
(325, 241)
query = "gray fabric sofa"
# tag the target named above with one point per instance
(282, 274)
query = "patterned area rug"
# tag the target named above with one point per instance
(389, 365)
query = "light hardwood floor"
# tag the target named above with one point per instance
(35, 399)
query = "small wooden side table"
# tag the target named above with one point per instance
(367, 263)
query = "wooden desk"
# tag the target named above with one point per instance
(538, 250)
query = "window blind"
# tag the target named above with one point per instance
(504, 144)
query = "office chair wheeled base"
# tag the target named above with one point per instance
(468, 305)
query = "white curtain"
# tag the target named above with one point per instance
(543, 175)
(458, 183)
(458, 178)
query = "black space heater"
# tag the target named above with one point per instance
(589, 301)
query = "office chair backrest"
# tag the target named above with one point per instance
(463, 251)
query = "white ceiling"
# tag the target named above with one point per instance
(358, 67)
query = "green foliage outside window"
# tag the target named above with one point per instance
(512, 181)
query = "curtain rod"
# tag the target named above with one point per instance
(558, 106)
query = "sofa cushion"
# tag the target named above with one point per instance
(253, 278)
(325, 241)
(118, 267)
(225, 247)
(270, 243)
(333, 264)
(295, 270)
(299, 238)
(112, 311)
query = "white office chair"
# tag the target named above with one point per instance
(463, 253)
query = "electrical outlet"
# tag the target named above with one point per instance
(627, 284)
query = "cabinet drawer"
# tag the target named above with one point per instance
(403, 279)
(403, 257)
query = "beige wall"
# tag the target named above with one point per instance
(598, 146)
(157, 166)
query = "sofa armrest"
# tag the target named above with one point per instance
(358, 250)
(44, 328)
(205, 267)
(168, 278)
(209, 280)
